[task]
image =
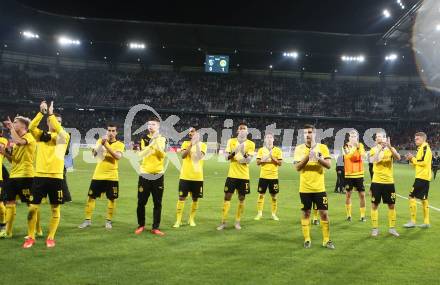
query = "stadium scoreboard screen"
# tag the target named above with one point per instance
(217, 63)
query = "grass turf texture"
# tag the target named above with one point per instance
(263, 251)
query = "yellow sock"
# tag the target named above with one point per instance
(325, 232)
(2, 214)
(225, 211)
(315, 214)
(392, 218)
(375, 218)
(260, 203)
(425, 205)
(362, 210)
(54, 221)
(274, 206)
(194, 207)
(38, 221)
(90, 206)
(32, 220)
(240, 209)
(179, 211)
(413, 209)
(348, 210)
(111, 206)
(10, 217)
(305, 225)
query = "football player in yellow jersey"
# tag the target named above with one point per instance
(354, 153)
(48, 180)
(311, 159)
(423, 172)
(270, 158)
(22, 159)
(151, 178)
(108, 151)
(239, 151)
(382, 185)
(3, 147)
(191, 175)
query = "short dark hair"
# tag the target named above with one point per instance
(153, 118)
(309, 126)
(243, 124)
(57, 115)
(112, 125)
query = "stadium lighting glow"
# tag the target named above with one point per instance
(438, 27)
(134, 45)
(386, 13)
(391, 57)
(30, 35)
(359, 58)
(65, 41)
(293, 54)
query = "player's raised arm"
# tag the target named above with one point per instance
(396, 155)
(33, 126)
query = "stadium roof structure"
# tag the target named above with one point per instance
(400, 34)
(187, 44)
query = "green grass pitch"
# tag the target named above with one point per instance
(263, 252)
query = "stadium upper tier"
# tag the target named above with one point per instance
(243, 93)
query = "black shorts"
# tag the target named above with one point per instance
(241, 185)
(420, 189)
(46, 186)
(99, 187)
(190, 186)
(386, 192)
(319, 200)
(356, 183)
(272, 184)
(18, 187)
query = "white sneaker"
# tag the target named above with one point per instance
(237, 226)
(424, 226)
(108, 225)
(374, 232)
(221, 227)
(258, 217)
(393, 232)
(85, 224)
(409, 225)
(275, 218)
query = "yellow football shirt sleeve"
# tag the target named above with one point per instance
(325, 152)
(251, 148)
(423, 156)
(204, 148)
(228, 146)
(184, 145)
(33, 126)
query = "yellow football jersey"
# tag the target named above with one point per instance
(51, 148)
(237, 169)
(153, 163)
(107, 168)
(422, 162)
(269, 170)
(383, 170)
(192, 170)
(23, 157)
(3, 141)
(311, 177)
